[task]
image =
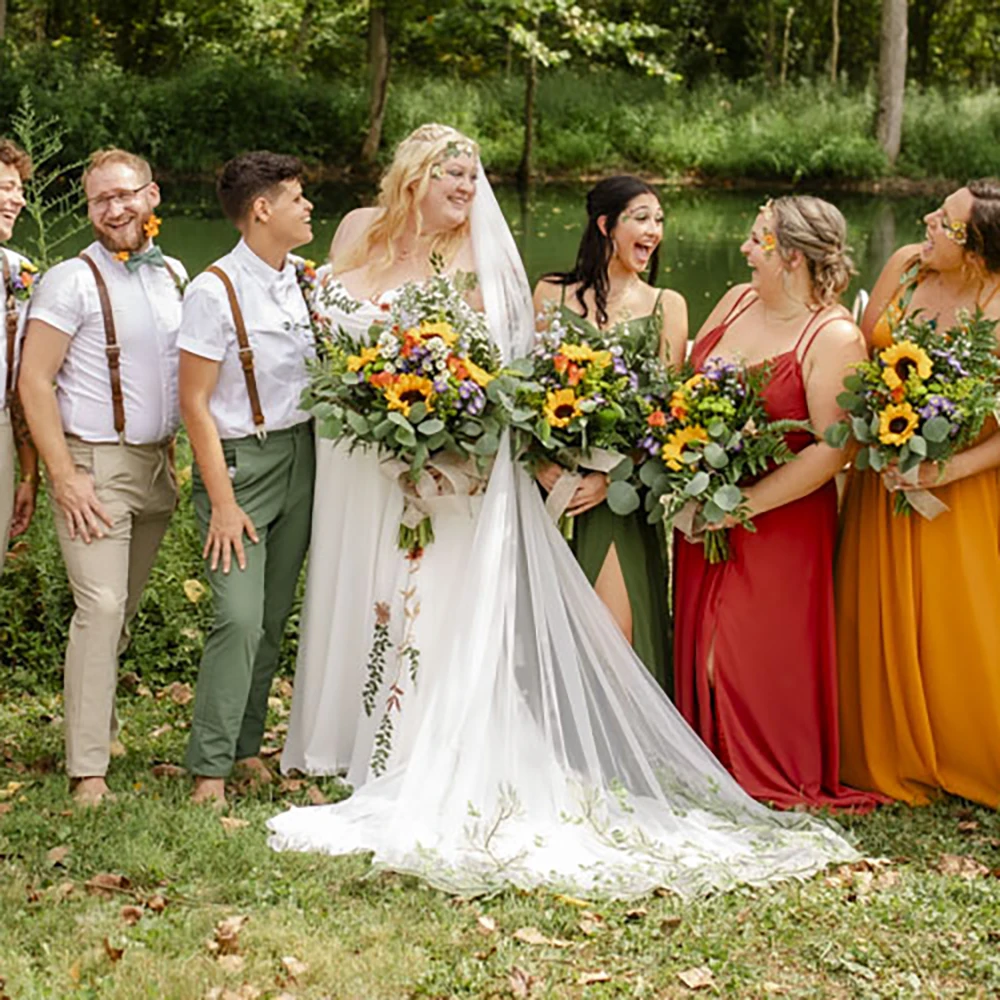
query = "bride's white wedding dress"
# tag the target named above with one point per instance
(534, 748)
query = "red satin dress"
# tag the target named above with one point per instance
(767, 617)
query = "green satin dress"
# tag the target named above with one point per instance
(640, 546)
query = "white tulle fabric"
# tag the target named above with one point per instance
(538, 750)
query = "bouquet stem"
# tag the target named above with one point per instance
(900, 503)
(716, 545)
(566, 526)
(415, 540)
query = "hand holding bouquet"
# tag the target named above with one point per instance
(416, 389)
(922, 399)
(713, 436)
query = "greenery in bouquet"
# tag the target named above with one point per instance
(581, 400)
(416, 387)
(922, 399)
(712, 438)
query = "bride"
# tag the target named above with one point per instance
(533, 748)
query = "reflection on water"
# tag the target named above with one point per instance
(702, 235)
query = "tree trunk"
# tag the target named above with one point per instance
(835, 42)
(3, 19)
(302, 35)
(378, 66)
(531, 85)
(769, 44)
(891, 77)
(785, 43)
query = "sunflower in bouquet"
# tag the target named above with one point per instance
(711, 438)
(416, 388)
(921, 399)
(580, 400)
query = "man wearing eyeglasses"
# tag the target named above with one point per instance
(99, 387)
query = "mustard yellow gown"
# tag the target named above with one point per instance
(918, 635)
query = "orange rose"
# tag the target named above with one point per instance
(380, 379)
(573, 374)
(559, 362)
(657, 419)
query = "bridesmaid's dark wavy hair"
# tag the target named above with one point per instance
(609, 198)
(984, 222)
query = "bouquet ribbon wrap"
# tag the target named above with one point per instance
(595, 460)
(684, 522)
(922, 501)
(457, 488)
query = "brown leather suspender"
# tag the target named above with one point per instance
(112, 349)
(246, 352)
(10, 324)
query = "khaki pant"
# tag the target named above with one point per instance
(135, 484)
(7, 463)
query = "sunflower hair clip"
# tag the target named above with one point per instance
(956, 231)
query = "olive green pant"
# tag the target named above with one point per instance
(273, 483)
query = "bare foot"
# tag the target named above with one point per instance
(88, 792)
(211, 790)
(254, 771)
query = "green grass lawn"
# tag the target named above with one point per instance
(923, 923)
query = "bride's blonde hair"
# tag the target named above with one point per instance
(401, 190)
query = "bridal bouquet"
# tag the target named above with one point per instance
(416, 389)
(922, 399)
(712, 437)
(581, 400)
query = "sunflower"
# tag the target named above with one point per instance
(897, 423)
(439, 329)
(561, 407)
(678, 441)
(407, 390)
(585, 353)
(903, 360)
(480, 376)
(356, 362)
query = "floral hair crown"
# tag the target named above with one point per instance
(454, 148)
(769, 239)
(956, 230)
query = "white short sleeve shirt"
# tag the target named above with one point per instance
(280, 334)
(147, 313)
(15, 261)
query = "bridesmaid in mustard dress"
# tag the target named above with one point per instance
(918, 601)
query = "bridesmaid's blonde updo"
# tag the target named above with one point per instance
(402, 188)
(818, 231)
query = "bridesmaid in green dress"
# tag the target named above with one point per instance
(623, 557)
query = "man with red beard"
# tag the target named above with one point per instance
(99, 386)
(17, 504)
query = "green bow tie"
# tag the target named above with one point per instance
(154, 256)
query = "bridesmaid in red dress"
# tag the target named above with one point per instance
(754, 656)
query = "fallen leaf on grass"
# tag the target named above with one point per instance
(637, 914)
(968, 826)
(590, 923)
(227, 935)
(6, 807)
(113, 953)
(699, 978)
(107, 884)
(62, 891)
(669, 924)
(775, 988)
(572, 901)
(129, 680)
(13, 787)
(962, 866)
(143, 692)
(178, 692)
(194, 590)
(315, 796)
(168, 771)
(161, 731)
(131, 915)
(231, 963)
(589, 978)
(156, 904)
(284, 687)
(117, 749)
(293, 967)
(57, 856)
(532, 935)
(231, 823)
(486, 925)
(269, 751)
(522, 983)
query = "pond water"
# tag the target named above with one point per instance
(700, 255)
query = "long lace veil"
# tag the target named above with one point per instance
(547, 754)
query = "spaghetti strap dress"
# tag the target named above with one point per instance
(919, 634)
(765, 618)
(639, 546)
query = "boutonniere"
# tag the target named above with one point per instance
(305, 275)
(22, 281)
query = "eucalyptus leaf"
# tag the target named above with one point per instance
(623, 470)
(728, 497)
(623, 498)
(715, 455)
(357, 423)
(716, 429)
(860, 428)
(861, 461)
(848, 400)
(488, 444)
(876, 460)
(350, 378)
(918, 446)
(837, 435)
(431, 426)
(713, 513)
(398, 419)
(697, 484)
(649, 472)
(406, 437)
(417, 412)
(936, 429)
